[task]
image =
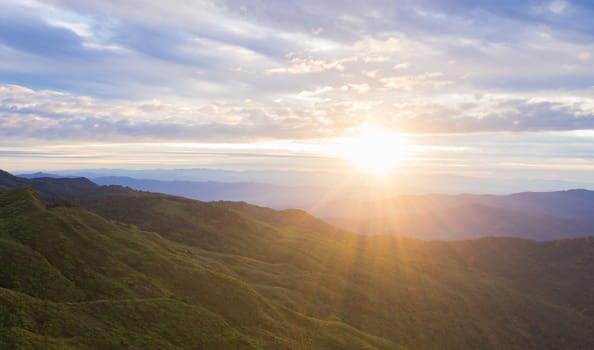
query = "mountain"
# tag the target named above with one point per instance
(540, 216)
(72, 279)
(471, 222)
(41, 174)
(533, 215)
(265, 194)
(575, 204)
(402, 182)
(106, 267)
(276, 177)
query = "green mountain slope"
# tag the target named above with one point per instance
(498, 293)
(272, 280)
(111, 286)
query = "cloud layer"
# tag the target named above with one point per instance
(236, 71)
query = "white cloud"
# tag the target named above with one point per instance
(213, 53)
(375, 59)
(319, 91)
(584, 56)
(321, 112)
(378, 46)
(298, 65)
(358, 88)
(370, 73)
(416, 82)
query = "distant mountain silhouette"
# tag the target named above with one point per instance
(399, 183)
(276, 196)
(41, 174)
(534, 215)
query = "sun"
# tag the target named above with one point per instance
(375, 150)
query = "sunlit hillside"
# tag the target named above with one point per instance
(111, 268)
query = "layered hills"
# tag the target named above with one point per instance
(84, 266)
(532, 215)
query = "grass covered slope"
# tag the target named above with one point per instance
(485, 294)
(110, 286)
(273, 280)
(150, 323)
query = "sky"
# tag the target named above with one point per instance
(476, 88)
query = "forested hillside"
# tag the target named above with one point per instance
(111, 268)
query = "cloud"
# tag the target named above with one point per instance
(358, 88)
(299, 65)
(307, 65)
(378, 46)
(488, 114)
(53, 115)
(416, 82)
(401, 65)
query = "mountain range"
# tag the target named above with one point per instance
(84, 266)
(363, 185)
(533, 215)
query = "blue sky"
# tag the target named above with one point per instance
(481, 87)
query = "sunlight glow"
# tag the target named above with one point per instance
(376, 150)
